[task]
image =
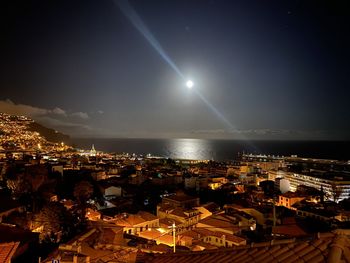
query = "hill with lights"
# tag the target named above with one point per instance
(22, 133)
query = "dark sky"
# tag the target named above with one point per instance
(274, 69)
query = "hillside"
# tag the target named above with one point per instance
(49, 134)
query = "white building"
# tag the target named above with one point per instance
(335, 187)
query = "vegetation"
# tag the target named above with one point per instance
(54, 222)
(50, 134)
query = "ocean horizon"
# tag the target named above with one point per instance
(217, 149)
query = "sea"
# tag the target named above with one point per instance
(218, 150)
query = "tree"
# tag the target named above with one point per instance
(83, 191)
(55, 222)
(18, 186)
(36, 175)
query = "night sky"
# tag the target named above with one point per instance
(273, 69)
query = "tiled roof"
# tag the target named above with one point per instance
(146, 216)
(200, 233)
(212, 207)
(178, 212)
(129, 220)
(219, 221)
(167, 222)
(200, 246)
(291, 230)
(7, 250)
(165, 239)
(164, 208)
(234, 238)
(160, 248)
(180, 197)
(150, 234)
(329, 247)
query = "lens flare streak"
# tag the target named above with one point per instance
(136, 20)
(215, 110)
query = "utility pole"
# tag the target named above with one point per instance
(274, 210)
(174, 236)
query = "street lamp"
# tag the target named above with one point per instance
(174, 236)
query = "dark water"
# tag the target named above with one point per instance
(218, 149)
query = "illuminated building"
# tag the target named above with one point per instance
(336, 186)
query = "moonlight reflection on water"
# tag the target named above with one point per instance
(194, 149)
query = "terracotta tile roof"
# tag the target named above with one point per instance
(108, 235)
(289, 231)
(131, 220)
(184, 238)
(150, 234)
(218, 221)
(329, 247)
(180, 198)
(200, 246)
(211, 206)
(165, 239)
(7, 250)
(201, 233)
(167, 222)
(234, 238)
(161, 248)
(146, 216)
(197, 233)
(178, 212)
(165, 207)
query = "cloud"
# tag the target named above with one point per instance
(284, 134)
(100, 111)
(7, 106)
(213, 131)
(56, 118)
(64, 124)
(59, 111)
(82, 115)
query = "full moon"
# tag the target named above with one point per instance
(189, 84)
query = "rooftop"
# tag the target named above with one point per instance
(328, 247)
(180, 197)
(7, 250)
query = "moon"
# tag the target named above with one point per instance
(189, 84)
